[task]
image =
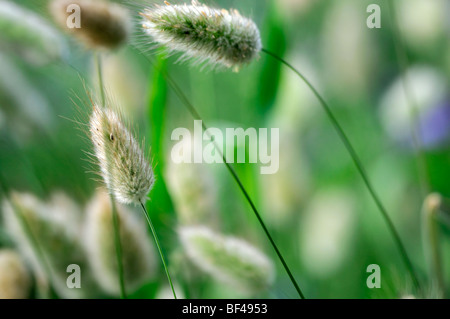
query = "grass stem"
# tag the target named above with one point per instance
(358, 165)
(191, 109)
(233, 173)
(150, 224)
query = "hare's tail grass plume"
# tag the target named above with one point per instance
(126, 171)
(215, 36)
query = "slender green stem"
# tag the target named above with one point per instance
(358, 165)
(191, 109)
(233, 173)
(118, 246)
(432, 246)
(421, 160)
(159, 248)
(98, 62)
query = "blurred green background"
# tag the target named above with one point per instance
(316, 206)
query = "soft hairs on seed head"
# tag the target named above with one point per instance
(127, 173)
(216, 36)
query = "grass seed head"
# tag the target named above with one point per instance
(229, 260)
(216, 36)
(102, 24)
(126, 171)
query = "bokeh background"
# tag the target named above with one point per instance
(316, 206)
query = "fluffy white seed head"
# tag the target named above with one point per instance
(102, 24)
(15, 282)
(217, 36)
(227, 259)
(138, 255)
(126, 171)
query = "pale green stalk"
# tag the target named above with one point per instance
(430, 212)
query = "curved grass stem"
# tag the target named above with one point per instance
(150, 224)
(359, 166)
(233, 173)
(191, 109)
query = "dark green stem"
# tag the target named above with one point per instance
(233, 173)
(358, 165)
(150, 224)
(191, 109)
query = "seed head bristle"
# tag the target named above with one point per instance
(127, 173)
(214, 36)
(103, 24)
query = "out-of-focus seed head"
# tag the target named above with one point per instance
(138, 257)
(193, 189)
(102, 24)
(217, 36)
(432, 202)
(229, 260)
(126, 171)
(15, 282)
(54, 226)
(327, 232)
